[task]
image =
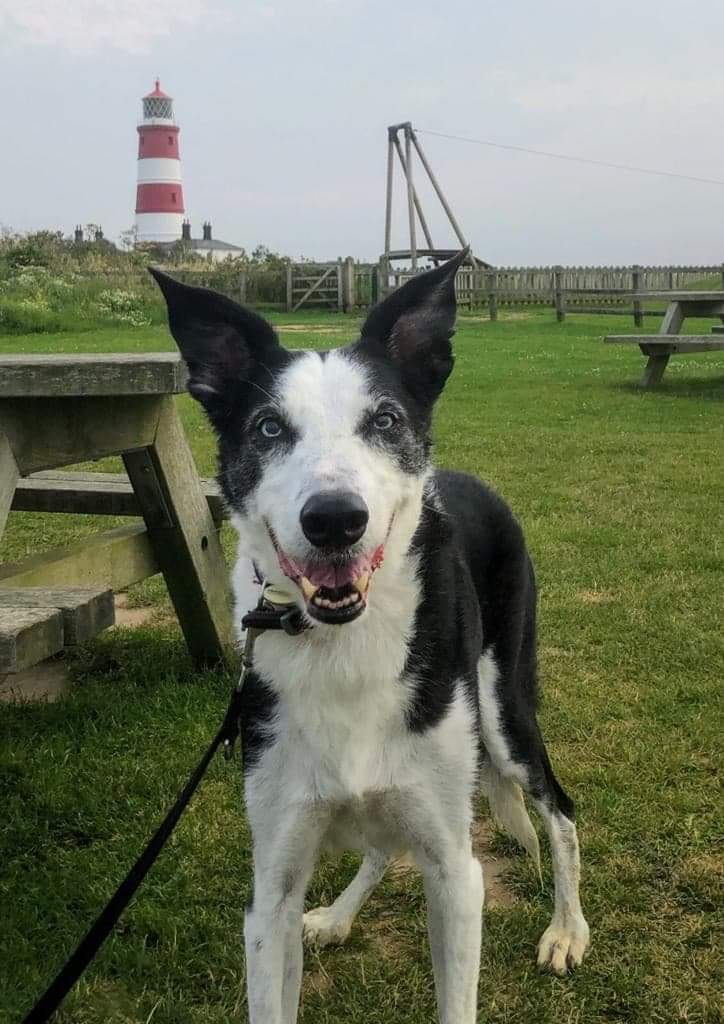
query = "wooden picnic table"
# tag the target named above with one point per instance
(660, 347)
(56, 410)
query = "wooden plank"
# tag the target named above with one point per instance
(673, 319)
(125, 373)
(9, 476)
(492, 295)
(48, 432)
(558, 293)
(674, 342)
(28, 636)
(95, 494)
(654, 370)
(415, 197)
(184, 538)
(440, 194)
(684, 296)
(86, 611)
(636, 286)
(112, 559)
(290, 287)
(340, 286)
(682, 348)
(410, 196)
(391, 135)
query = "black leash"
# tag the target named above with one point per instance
(267, 615)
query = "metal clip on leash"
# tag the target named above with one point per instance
(277, 609)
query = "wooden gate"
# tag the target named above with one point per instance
(315, 284)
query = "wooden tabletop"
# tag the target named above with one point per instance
(68, 376)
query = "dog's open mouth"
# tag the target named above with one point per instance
(335, 590)
(336, 604)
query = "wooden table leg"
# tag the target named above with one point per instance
(9, 476)
(184, 537)
(654, 370)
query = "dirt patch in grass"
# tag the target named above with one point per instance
(309, 328)
(495, 868)
(484, 318)
(316, 981)
(595, 596)
(131, 617)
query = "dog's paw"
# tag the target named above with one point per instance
(324, 927)
(563, 945)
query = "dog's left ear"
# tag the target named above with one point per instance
(414, 325)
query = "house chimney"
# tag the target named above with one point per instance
(207, 231)
(186, 231)
(99, 235)
(78, 234)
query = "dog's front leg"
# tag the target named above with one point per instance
(285, 851)
(454, 892)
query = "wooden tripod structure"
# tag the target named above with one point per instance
(414, 206)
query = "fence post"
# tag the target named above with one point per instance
(375, 286)
(722, 275)
(290, 287)
(493, 294)
(558, 296)
(349, 283)
(383, 279)
(340, 284)
(476, 286)
(242, 287)
(636, 283)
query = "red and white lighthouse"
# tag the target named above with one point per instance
(159, 196)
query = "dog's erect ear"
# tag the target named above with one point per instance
(415, 324)
(219, 340)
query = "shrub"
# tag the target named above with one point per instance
(23, 316)
(123, 307)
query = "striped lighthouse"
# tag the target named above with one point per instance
(159, 196)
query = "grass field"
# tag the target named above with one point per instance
(620, 493)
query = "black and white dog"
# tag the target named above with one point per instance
(415, 683)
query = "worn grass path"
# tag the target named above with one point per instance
(620, 493)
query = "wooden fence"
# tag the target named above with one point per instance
(344, 285)
(611, 290)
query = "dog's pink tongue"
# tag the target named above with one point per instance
(336, 575)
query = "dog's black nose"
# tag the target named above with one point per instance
(334, 519)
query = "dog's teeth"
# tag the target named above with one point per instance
(362, 582)
(354, 597)
(308, 588)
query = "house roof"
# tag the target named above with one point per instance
(213, 243)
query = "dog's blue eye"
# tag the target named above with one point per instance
(270, 427)
(384, 420)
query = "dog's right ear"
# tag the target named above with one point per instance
(219, 340)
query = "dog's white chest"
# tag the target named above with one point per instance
(337, 747)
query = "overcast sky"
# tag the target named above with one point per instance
(283, 107)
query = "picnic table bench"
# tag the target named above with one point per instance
(660, 347)
(57, 410)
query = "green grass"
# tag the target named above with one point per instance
(620, 494)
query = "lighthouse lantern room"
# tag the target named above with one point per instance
(159, 195)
